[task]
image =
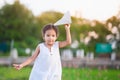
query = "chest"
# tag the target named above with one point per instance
(47, 54)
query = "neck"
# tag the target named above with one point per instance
(48, 46)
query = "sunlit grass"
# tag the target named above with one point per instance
(9, 73)
(90, 74)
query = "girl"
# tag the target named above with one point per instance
(47, 64)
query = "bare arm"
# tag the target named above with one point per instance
(29, 60)
(68, 37)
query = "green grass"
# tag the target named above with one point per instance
(9, 73)
(90, 74)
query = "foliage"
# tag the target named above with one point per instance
(15, 21)
(19, 24)
(115, 22)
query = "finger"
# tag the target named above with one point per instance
(15, 66)
(67, 25)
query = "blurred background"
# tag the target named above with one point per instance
(95, 31)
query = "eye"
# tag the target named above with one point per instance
(48, 35)
(53, 35)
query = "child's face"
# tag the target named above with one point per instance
(50, 37)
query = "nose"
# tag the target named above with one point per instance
(50, 37)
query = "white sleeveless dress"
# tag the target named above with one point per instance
(47, 65)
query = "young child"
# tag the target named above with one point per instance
(47, 64)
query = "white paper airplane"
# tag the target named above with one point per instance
(66, 19)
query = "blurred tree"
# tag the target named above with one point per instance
(83, 29)
(102, 31)
(113, 25)
(16, 22)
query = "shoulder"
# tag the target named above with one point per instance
(40, 44)
(56, 43)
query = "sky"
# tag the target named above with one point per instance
(89, 9)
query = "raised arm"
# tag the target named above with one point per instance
(68, 37)
(28, 61)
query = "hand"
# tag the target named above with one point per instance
(67, 26)
(17, 66)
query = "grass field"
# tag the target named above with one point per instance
(9, 73)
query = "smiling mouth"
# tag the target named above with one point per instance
(50, 41)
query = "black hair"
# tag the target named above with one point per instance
(48, 27)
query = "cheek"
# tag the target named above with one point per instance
(45, 38)
(55, 38)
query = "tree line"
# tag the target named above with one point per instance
(19, 24)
